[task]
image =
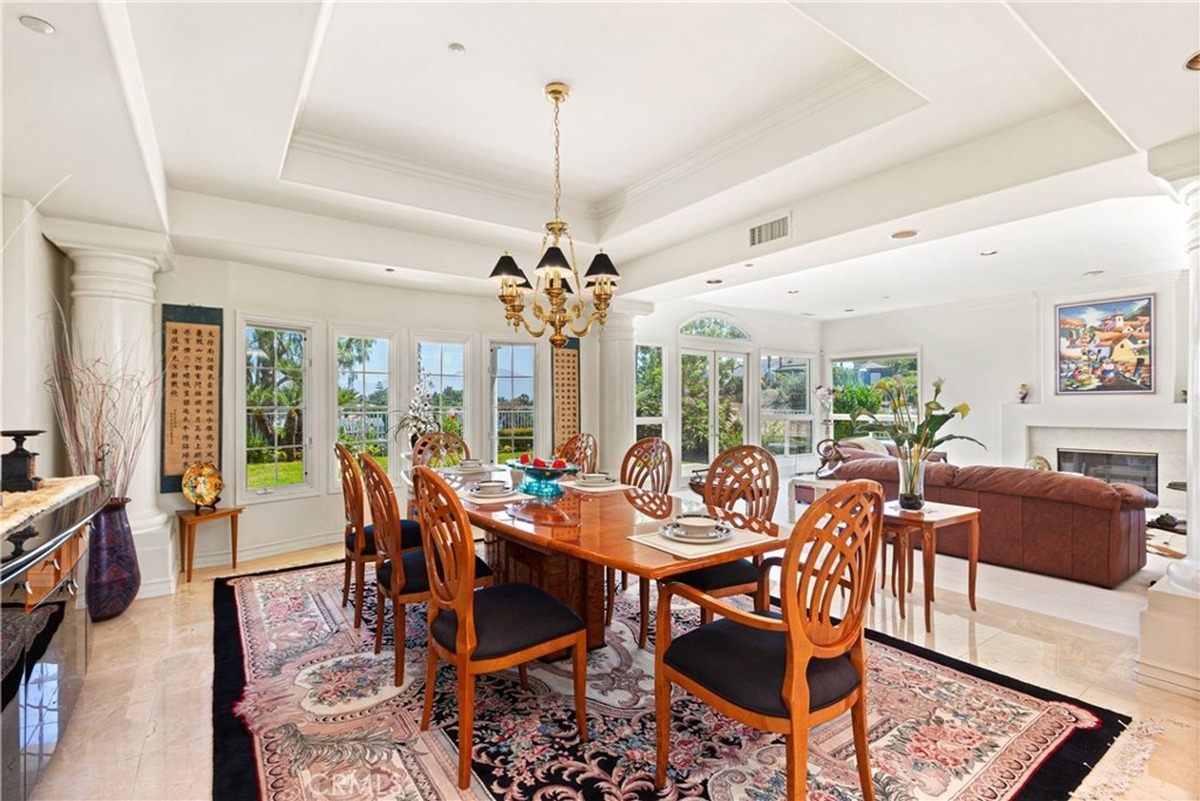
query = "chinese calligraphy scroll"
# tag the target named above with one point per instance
(191, 409)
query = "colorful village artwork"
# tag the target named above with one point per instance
(1106, 346)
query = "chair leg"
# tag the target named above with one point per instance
(644, 602)
(796, 746)
(706, 616)
(360, 575)
(380, 614)
(398, 629)
(430, 681)
(858, 720)
(523, 672)
(466, 724)
(662, 726)
(579, 661)
(346, 585)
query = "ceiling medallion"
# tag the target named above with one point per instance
(548, 302)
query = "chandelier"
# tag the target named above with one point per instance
(551, 305)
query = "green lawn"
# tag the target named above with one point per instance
(282, 474)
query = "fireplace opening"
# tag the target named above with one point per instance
(1115, 467)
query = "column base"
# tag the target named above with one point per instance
(156, 555)
(1169, 640)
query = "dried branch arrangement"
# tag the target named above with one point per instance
(104, 409)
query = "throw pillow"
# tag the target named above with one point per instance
(869, 444)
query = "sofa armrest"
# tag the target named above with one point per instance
(1135, 497)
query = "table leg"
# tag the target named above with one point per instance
(191, 548)
(791, 502)
(233, 537)
(899, 561)
(928, 552)
(973, 561)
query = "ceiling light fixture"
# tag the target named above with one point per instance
(554, 269)
(37, 24)
(988, 252)
(907, 233)
(456, 48)
(1093, 273)
(793, 291)
(714, 281)
(1193, 63)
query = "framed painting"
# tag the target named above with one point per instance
(1106, 346)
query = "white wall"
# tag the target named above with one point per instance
(34, 277)
(984, 350)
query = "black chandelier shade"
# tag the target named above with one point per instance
(602, 265)
(552, 259)
(507, 267)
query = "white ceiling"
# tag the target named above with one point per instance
(342, 139)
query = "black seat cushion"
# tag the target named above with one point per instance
(416, 577)
(510, 618)
(368, 537)
(410, 534)
(718, 577)
(745, 666)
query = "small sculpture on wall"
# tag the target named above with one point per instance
(1022, 391)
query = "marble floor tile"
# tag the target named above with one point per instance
(142, 728)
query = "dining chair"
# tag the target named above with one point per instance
(439, 449)
(409, 583)
(648, 465)
(359, 539)
(488, 629)
(743, 480)
(581, 449)
(788, 672)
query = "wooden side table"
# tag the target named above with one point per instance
(903, 525)
(806, 489)
(189, 519)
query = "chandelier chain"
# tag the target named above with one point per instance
(557, 180)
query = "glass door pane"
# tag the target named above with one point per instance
(512, 401)
(695, 410)
(730, 423)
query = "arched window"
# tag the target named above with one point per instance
(712, 326)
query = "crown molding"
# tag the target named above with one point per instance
(76, 235)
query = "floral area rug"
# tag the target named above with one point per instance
(302, 709)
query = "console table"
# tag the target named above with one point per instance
(189, 519)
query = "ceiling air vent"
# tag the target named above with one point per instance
(770, 231)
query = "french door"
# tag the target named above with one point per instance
(512, 372)
(712, 405)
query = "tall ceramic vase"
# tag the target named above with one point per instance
(113, 577)
(912, 481)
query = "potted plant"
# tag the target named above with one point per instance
(104, 408)
(914, 439)
(420, 418)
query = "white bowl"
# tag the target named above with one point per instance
(471, 463)
(594, 478)
(490, 487)
(696, 525)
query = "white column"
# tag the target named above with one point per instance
(1169, 626)
(112, 317)
(1185, 573)
(616, 390)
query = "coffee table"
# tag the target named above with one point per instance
(903, 526)
(806, 489)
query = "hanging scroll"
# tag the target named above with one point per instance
(191, 409)
(564, 371)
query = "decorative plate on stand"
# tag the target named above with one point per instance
(202, 485)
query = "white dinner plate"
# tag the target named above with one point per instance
(605, 483)
(717, 534)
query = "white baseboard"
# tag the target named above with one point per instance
(274, 548)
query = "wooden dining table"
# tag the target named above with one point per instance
(565, 546)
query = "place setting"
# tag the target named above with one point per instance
(596, 482)
(695, 534)
(469, 467)
(489, 491)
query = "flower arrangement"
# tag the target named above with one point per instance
(825, 398)
(104, 409)
(914, 439)
(420, 418)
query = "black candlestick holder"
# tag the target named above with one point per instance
(18, 466)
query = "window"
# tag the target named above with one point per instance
(442, 365)
(513, 400)
(715, 327)
(712, 409)
(648, 386)
(276, 407)
(364, 395)
(785, 421)
(853, 379)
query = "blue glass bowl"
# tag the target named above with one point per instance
(542, 482)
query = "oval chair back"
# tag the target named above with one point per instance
(746, 474)
(449, 552)
(439, 449)
(648, 464)
(581, 449)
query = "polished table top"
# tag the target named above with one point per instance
(596, 526)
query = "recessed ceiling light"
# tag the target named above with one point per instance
(714, 281)
(847, 310)
(749, 264)
(37, 24)
(389, 269)
(907, 233)
(988, 252)
(1093, 273)
(1193, 63)
(793, 291)
(456, 48)
(806, 314)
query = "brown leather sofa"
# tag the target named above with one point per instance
(1057, 524)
